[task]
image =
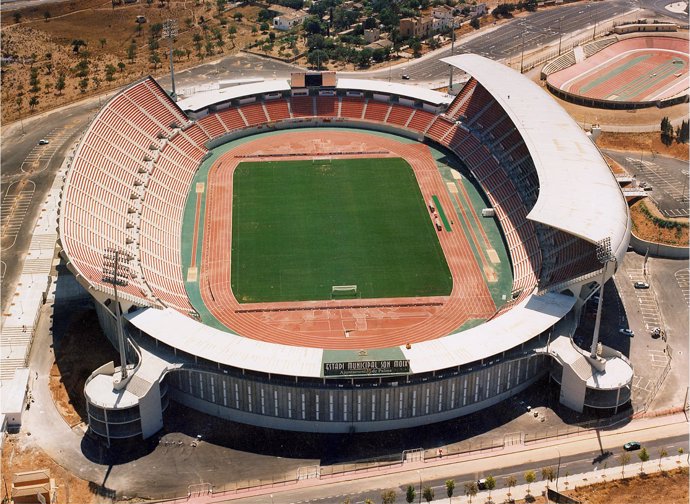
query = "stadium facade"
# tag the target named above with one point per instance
(564, 220)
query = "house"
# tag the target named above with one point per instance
(442, 18)
(478, 10)
(372, 35)
(285, 22)
(416, 27)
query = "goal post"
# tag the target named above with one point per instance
(344, 291)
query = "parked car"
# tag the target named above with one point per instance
(657, 332)
(43, 141)
(481, 484)
(405, 77)
(631, 446)
(140, 19)
(641, 285)
(626, 331)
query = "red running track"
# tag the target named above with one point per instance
(371, 323)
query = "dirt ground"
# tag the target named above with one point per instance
(45, 44)
(18, 456)
(646, 142)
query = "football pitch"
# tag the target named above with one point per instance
(301, 227)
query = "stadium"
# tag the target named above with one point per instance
(333, 255)
(634, 72)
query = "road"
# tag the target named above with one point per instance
(28, 171)
(599, 453)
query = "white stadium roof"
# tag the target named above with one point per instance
(563, 156)
(533, 316)
(203, 99)
(377, 86)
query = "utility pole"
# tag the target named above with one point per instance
(452, 51)
(560, 35)
(170, 32)
(116, 272)
(522, 51)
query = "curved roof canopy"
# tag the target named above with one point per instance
(578, 193)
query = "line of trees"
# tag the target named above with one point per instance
(668, 134)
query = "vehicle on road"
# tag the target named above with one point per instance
(631, 446)
(43, 141)
(626, 331)
(481, 484)
(405, 77)
(641, 285)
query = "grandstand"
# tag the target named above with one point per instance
(135, 169)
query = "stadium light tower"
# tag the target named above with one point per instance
(116, 272)
(604, 256)
(170, 32)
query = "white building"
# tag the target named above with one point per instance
(285, 22)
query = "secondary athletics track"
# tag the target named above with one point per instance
(338, 324)
(642, 69)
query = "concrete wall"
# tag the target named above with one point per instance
(658, 249)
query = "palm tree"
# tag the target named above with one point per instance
(471, 489)
(680, 454)
(410, 494)
(388, 496)
(490, 483)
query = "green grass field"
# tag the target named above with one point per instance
(299, 227)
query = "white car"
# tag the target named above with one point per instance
(43, 141)
(626, 331)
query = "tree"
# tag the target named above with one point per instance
(96, 82)
(33, 101)
(666, 131)
(83, 84)
(682, 132)
(644, 457)
(77, 44)
(511, 481)
(490, 483)
(662, 453)
(388, 496)
(121, 66)
(474, 22)
(132, 52)
(17, 16)
(623, 458)
(410, 494)
(450, 487)
(530, 477)
(416, 47)
(155, 59)
(368, 501)
(471, 489)
(680, 453)
(428, 493)
(60, 84)
(317, 58)
(548, 474)
(103, 42)
(46, 16)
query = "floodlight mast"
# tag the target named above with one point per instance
(604, 256)
(170, 32)
(111, 275)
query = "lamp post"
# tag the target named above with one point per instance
(604, 256)
(558, 470)
(170, 32)
(522, 50)
(560, 35)
(116, 272)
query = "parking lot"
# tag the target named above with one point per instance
(667, 177)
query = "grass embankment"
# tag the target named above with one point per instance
(649, 225)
